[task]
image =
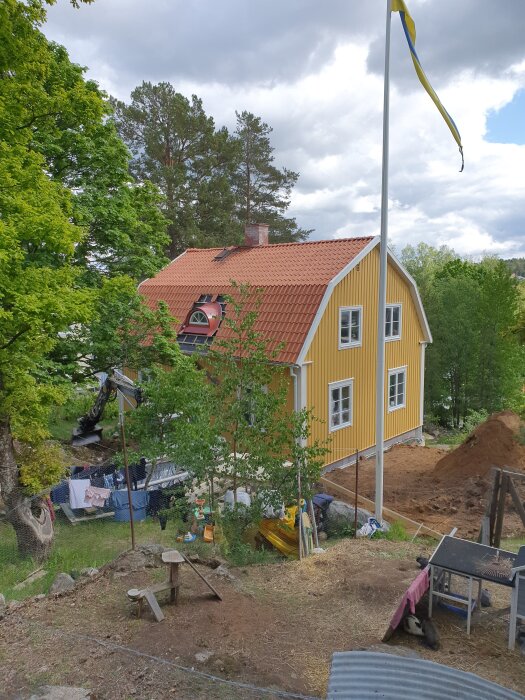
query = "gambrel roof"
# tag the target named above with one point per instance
(296, 281)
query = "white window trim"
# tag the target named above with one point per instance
(389, 338)
(335, 385)
(396, 370)
(198, 323)
(355, 343)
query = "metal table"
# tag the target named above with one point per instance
(472, 561)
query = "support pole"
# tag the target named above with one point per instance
(356, 491)
(380, 375)
(126, 469)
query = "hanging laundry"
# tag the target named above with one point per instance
(60, 493)
(97, 496)
(77, 493)
(120, 504)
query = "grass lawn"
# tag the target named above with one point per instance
(76, 547)
(512, 544)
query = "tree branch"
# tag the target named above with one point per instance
(15, 337)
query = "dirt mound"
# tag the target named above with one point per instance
(494, 443)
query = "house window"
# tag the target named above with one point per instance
(340, 398)
(349, 326)
(396, 388)
(198, 318)
(393, 322)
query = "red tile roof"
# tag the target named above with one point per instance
(293, 276)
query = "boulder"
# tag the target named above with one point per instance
(223, 572)
(340, 518)
(2, 602)
(146, 556)
(62, 583)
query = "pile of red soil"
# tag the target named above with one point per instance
(494, 443)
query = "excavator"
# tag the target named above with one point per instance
(89, 431)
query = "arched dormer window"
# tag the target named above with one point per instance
(198, 318)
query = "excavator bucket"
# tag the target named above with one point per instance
(81, 437)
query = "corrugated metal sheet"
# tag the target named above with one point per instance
(330, 364)
(367, 675)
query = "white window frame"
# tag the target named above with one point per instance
(339, 385)
(203, 323)
(351, 343)
(392, 373)
(391, 307)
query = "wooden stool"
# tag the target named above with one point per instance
(174, 559)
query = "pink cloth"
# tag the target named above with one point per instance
(413, 595)
(96, 496)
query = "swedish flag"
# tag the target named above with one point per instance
(410, 33)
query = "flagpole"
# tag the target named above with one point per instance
(381, 311)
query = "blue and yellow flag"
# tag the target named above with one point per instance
(410, 33)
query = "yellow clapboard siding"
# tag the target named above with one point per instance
(329, 364)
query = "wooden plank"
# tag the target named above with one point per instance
(485, 529)
(216, 593)
(152, 602)
(498, 528)
(388, 512)
(484, 535)
(494, 504)
(518, 504)
(75, 519)
(172, 556)
(517, 476)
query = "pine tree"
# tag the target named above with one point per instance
(175, 145)
(263, 191)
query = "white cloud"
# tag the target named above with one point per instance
(307, 72)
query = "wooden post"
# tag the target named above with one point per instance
(126, 471)
(494, 503)
(516, 499)
(485, 530)
(356, 491)
(501, 510)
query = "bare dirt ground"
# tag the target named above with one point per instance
(446, 488)
(276, 627)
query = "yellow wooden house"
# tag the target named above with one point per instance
(320, 298)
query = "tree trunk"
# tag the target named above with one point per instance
(29, 517)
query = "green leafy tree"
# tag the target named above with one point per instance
(424, 262)
(176, 146)
(59, 161)
(174, 420)
(39, 290)
(263, 191)
(475, 362)
(516, 266)
(122, 332)
(264, 446)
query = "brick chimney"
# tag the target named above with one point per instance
(255, 234)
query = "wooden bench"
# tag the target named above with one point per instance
(174, 559)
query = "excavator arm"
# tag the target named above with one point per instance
(89, 431)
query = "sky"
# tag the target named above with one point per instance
(314, 72)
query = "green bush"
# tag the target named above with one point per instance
(473, 419)
(239, 527)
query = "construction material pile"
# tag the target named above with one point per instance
(494, 443)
